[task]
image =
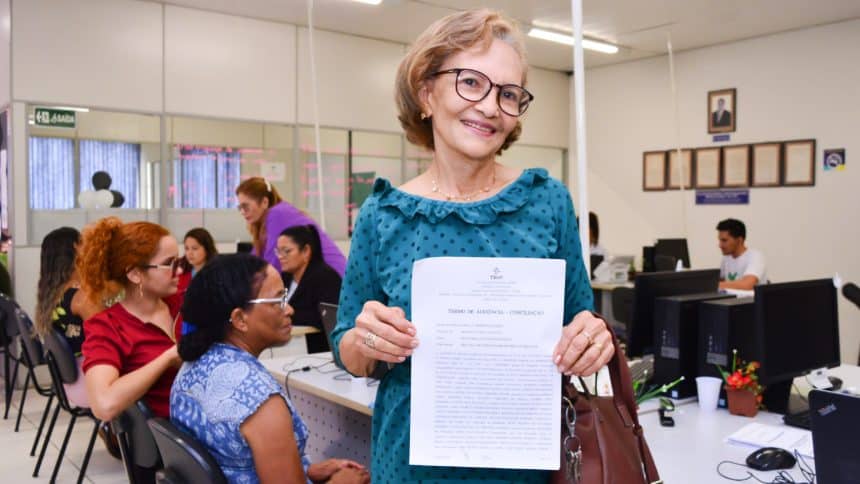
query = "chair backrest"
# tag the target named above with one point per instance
(622, 310)
(61, 352)
(8, 320)
(185, 459)
(30, 345)
(665, 263)
(135, 439)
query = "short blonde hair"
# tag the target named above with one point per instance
(447, 36)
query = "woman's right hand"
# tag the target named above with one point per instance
(350, 475)
(383, 333)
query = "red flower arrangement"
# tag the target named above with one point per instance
(743, 381)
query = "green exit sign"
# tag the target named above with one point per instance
(56, 118)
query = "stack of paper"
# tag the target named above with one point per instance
(762, 435)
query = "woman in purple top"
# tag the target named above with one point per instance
(267, 213)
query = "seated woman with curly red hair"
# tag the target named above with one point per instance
(129, 349)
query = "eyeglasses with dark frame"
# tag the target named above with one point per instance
(281, 301)
(173, 265)
(474, 86)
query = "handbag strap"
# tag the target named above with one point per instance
(622, 395)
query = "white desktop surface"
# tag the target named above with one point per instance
(691, 450)
(352, 393)
(687, 452)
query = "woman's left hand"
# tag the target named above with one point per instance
(324, 470)
(585, 346)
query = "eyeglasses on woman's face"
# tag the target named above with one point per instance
(474, 86)
(172, 264)
(280, 301)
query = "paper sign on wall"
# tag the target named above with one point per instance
(273, 171)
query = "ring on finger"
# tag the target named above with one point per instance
(598, 345)
(370, 340)
(588, 336)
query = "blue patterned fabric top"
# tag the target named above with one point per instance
(212, 396)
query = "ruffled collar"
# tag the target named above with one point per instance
(483, 212)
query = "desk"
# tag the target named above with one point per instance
(691, 450)
(338, 414)
(336, 407)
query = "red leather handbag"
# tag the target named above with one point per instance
(601, 439)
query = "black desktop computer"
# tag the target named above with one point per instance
(797, 326)
(725, 325)
(673, 248)
(648, 287)
(676, 340)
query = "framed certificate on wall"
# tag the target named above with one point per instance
(766, 164)
(707, 162)
(736, 166)
(799, 163)
(654, 170)
(685, 170)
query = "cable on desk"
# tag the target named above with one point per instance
(782, 476)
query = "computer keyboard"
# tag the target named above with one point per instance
(800, 419)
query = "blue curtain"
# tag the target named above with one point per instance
(206, 177)
(52, 181)
(120, 160)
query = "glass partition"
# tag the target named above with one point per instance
(86, 164)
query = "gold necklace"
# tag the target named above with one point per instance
(466, 197)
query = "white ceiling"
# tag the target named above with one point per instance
(639, 27)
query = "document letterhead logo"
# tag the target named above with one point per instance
(496, 275)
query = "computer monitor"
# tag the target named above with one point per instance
(650, 286)
(676, 248)
(797, 327)
(244, 247)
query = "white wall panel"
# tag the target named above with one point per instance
(103, 53)
(355, 81)
(785, 91)
(233, 67)
(546, 122)
(5, 53)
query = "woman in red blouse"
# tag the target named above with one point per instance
(129, 349)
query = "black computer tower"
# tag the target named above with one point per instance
(676, 340)
(726, 325)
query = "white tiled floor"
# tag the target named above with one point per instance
(16, 465)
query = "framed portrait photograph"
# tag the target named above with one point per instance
(767, 164)
(736, 166)
(799, 163)
(686, 169)
(653, 170)
(722, 111)
(708, 169)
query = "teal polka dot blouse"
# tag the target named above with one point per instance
(531, 217)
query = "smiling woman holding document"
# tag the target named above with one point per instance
(459, 93)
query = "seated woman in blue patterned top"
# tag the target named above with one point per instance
(224, 397)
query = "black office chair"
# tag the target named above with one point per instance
(186, 461)
(622, 311)
(8, 333)
(64, 370)
(140, 455)
(32, 356)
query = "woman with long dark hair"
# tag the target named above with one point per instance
(199, 249)
(310, 281)
(60, 304)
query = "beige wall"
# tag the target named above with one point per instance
(5, 52)
(800, 84)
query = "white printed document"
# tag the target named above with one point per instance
(485, 392)
(762, 435)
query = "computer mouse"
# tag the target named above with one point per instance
(771, 459)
